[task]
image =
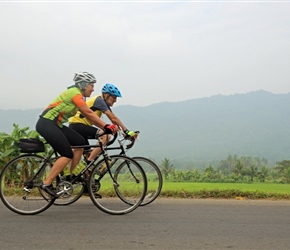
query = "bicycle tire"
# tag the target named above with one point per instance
(17, 193)
(154, 179)
(111, 198)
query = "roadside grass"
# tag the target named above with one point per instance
(226, 190)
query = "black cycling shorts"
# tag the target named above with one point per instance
(60, 139)
(86, 131)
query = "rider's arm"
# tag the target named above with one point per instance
(89, 114)
(115, 120)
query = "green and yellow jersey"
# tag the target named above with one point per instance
(64, 106)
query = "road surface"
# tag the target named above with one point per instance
(165, 224)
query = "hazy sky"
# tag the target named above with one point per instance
(153, 51)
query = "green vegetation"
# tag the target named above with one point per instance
(8, 143)
(226, 190)
(234, 169)
(235, 177)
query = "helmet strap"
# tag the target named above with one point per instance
(83, 93)
(105, 98)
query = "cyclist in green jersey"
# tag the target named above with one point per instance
(100, 104)
(50, 125)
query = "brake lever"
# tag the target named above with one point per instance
(132, 139)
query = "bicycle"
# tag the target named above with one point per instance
(121, 187)
(152, 171)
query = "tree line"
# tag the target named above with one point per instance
(244, 169)
(232, 169)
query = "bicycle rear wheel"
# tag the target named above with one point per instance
(18, 192)
(154, 179)
(126, 194)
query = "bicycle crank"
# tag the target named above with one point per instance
(64, 189)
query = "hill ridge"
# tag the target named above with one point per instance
(199, 131)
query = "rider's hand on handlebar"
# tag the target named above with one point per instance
(110, 129)
(131, 138)
(131, 133)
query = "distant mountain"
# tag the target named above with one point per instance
(200, 131)
(23, 118)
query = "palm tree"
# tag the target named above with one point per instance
(209, 173)
(166, 168)
(263, 174)
(252, 171)
(238, 169)
(283, 167)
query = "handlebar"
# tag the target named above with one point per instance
(124, 137)
(132, 139)
(112, 140)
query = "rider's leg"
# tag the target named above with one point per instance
(97, 150)
(58, 166)
(78, 152)
(57, 138)
(60, 139)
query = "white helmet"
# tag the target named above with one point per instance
(83, 79)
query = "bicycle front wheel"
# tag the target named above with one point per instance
(154, 179)
(122, 194)
(19, 190)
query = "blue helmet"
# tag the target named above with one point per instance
(111, 89)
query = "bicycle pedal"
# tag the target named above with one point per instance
(98, 196)
(27, 190)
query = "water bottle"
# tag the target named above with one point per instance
(66, 170)
(103, 167)
(79, 168)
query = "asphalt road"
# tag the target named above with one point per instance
(165, 224)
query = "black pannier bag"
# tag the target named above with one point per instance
(30, 145)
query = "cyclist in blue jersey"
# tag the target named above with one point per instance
(100, 104)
